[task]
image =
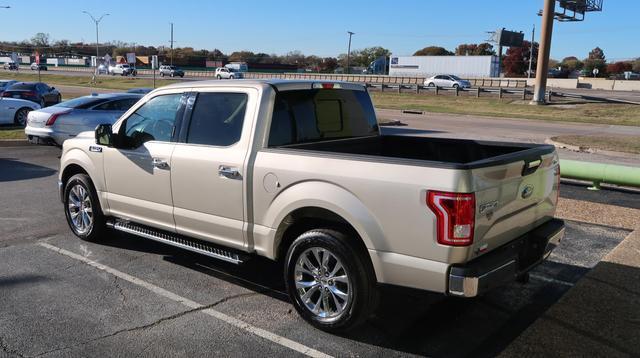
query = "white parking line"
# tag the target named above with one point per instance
(285, 342)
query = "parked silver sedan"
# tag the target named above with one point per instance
(53, 125)
(447, 81)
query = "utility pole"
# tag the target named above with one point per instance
(533, 36)
(542, 69)
(97, 22)
(171, 43)
(349, 52)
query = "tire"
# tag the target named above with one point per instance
(42, 103)
(342, 304)
(431, 84)
(172, 75)
(231, 77)
(91, 227)
(455, 85)
(20, 118)
(219, 77)
(59, 99)
(161, 74)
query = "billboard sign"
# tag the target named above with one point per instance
(131, 57)
(508, 38)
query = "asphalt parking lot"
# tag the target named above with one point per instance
(130, 297)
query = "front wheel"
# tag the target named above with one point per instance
(20, 119)
(455, 85)
(82, 208)
(330, 281)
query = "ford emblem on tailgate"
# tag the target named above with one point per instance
(527, 191)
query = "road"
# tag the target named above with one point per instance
(127, 296)
(621, 95)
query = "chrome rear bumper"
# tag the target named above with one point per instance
(506, 263)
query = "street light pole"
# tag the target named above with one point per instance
(97, 22)
(172, 44)
(533, 36)
(349, 52)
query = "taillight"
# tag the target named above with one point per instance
(53, 118)
(30, 94)
(6, 94)
(455, 214)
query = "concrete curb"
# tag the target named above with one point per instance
(599, 316)
(575, 148)
(14, 143)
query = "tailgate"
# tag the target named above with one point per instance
(512, 199)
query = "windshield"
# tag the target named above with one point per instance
(81, 102)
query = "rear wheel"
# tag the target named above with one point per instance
(82, 208)
(431, 84)
(330, 282)
(20, 118)
(219, 77)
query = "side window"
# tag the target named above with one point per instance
(217, 118)
(117, 105)
(155, 120)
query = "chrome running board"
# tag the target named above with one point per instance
(198, 246)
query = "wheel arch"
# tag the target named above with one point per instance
(314, 204)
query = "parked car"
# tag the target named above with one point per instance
(11, 66)
(15, 111)
(299, 172)
(227, 73)
(55, 124)
(37, 92)
(447, 81)
(103, 69)
(171, 71)
(142, 90)
(4, 84)
(123, 70)
(36, 67)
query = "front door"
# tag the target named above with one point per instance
(208, 168)
(138, 169)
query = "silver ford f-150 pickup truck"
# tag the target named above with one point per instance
(298, 171)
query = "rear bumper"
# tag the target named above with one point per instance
(506, 263)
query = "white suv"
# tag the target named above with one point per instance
(227, 73)
(123, 70)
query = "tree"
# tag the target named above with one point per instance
(241, 56)
(483, 49)
(636, 65)
(571, 64)
(516, 60)
(40, 40)
(619, 67)
(433, 51)
(596, 54)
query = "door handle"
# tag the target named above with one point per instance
(160, 163)
(229, 172)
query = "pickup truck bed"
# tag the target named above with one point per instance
(438, 152)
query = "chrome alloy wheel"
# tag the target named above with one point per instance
(80, 210)
(322, 283)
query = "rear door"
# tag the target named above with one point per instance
(209, 166)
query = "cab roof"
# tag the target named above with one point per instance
(280, 85)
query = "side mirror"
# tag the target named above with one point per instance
(104, 135)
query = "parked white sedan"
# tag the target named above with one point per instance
(15, 111)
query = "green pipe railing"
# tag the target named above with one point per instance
(599, 173)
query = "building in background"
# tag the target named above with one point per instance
(461, 66)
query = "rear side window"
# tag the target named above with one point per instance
(217, 118)
(117, 105)
(321, 114)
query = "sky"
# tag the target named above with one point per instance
(320, 27)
